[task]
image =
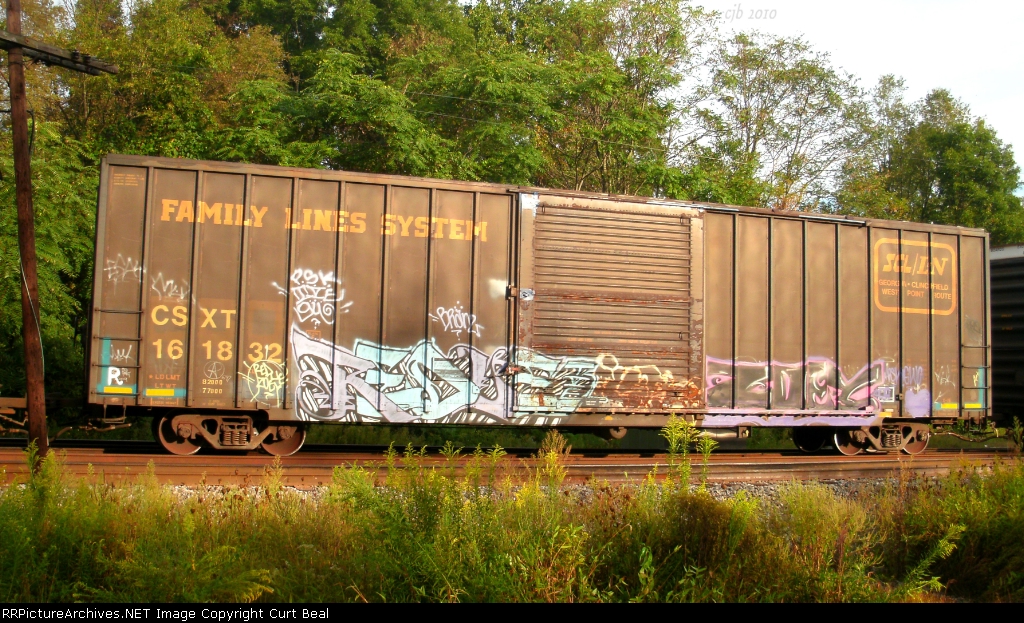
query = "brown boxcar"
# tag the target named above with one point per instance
(237, 302)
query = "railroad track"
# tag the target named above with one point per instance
(314, 465)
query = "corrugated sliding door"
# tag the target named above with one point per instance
(606, 315)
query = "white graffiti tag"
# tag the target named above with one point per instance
(455, 320)
(118, 376)
(169, 288)
(317, 296)
(264, 381)
(123, 269)
(121, 355)
(945, 375)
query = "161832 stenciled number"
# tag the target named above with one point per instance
(224, 350)
(265, 352)
(175, 349)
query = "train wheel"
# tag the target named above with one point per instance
(846, 444)
(917, 441)
(811, 438)
(617, 432)
(285, 441)
(175, 442)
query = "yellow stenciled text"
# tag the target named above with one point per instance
(217, 213)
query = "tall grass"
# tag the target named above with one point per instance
(504, 532)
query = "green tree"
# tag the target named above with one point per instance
(178, 72)
(364, 124)
(952, 169)
(933, 162)
(775, 123)
(863, 188)
(64, 201)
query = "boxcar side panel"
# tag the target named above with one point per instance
(484, 355)
(261, 316)
(169, 306)
(945, 330)
(218, 258)
(854, 368)
(750, 383)
(313, 293)
(787, 321)
(450, 304)
(719, 253)
(974, 330)
(361, 257)
(916, 373)
(822, 387)
(117, 287)
(885, 318)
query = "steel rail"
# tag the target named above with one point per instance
(315, 465)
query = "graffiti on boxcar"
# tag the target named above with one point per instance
(215, 371)
(561, 383)
(121, 355)
(456, 320)
(169, 288)
(819, 382)
(374, 383)
(975, 333)
(945, 375)
(917, 402)
(643, 386)
(916, 395)
(816, 379)
(118, 376)
(123, 269)
(317, 296)
(264, 381)
(913, 376)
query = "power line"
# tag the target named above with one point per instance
(497, 123)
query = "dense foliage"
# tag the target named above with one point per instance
(504, 532)
(639, 97)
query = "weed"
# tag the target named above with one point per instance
(552, 455)
(679, 433)
(1016, 434)
(706, 445)
(918, 580)
(451, 456)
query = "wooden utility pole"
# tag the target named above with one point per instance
(18, 47)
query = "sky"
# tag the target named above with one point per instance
(973, 49)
